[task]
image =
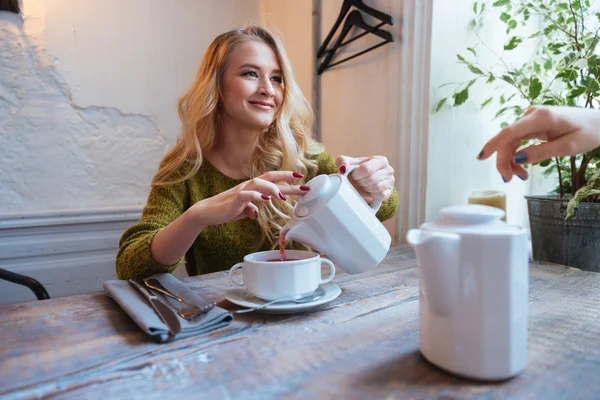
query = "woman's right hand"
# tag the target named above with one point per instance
(238, 202)
(567, 131)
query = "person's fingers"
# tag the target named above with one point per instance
(246, 196)
(560, 147)
(281, 176)
(380, 189)
(265, 187)
(375, 177)
(343, 162)
(519, 171)
(294, 190)
(386, 194)
(535, 124)
(371, 167)
(530, 110)
(251, 211)
(503, 164)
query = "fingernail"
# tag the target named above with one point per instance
(256, 213)
(343, 168)
(281, 196)
(480, 154)
(504, 179)
(305, 188)
(520, 158)
(297, 175)
(522, 177)
(265, 197)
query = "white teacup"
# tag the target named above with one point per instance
(268, 278)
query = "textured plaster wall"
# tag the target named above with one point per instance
(88, 94)
(55, 154)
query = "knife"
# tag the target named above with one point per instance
(166, 314)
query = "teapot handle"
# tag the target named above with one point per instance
(376, 202)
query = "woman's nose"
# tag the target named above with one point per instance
(266, 88)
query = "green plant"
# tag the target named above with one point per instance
(562, 69)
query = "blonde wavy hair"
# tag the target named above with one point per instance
(285, 145)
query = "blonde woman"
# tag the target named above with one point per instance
(245, 151)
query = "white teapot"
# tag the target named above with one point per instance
(474, 283)
(334, 219)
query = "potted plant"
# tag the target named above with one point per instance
(563, 69)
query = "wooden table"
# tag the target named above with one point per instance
(363, 345)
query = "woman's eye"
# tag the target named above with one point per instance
(251, 73)
(277, 79)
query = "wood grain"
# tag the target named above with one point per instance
(362, 345)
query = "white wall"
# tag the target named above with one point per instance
(456, 135)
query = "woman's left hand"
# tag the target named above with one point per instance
(373, 178)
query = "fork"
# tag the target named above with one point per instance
(187, 311)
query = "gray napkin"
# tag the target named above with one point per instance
(138, 308)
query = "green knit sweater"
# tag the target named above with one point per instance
(218, 247)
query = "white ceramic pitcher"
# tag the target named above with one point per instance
(474, 284)
(334, 219)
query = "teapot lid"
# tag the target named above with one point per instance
(472, 218)
(322, 189)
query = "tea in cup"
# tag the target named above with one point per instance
(267, 277)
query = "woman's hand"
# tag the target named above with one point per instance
(170, 244)
(568, 131)
(238, 202)
(373, 178)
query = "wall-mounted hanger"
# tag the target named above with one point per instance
(371, 30)
(354, 19)
(386, 19)
(10, 5)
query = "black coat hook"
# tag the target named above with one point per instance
(354, 19)
(385, 18)
(10, 5)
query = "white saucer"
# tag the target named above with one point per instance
(244, 299)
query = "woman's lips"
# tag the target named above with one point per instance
(262, 105)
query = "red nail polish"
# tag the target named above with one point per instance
(343, 168)
(297, 175)
(256, 213)
(281, 196)
(264, 197)
(305, 188)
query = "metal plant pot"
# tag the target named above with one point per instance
(574, 242)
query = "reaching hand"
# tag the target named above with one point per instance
(567, 131)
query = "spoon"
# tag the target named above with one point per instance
(316, 295)
(187, 311)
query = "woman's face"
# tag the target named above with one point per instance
(252, 85)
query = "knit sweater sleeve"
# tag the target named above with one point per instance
(326, 165)
(134, 259)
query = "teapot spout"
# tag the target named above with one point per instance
(438, 255)
(300, 231)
